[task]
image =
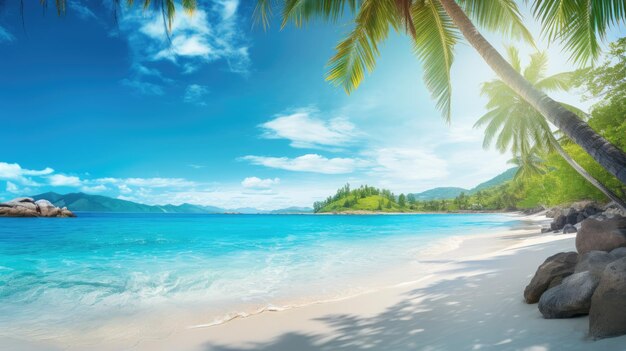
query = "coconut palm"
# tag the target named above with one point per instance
(436, 26)
(516, 126)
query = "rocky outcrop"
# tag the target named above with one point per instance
(576, 213)
(549, 274)
(605, 235)
(596, 283)
(27, 207)
(570, 298)
(594, 261)
(607, 317)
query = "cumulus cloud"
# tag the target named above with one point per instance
(14, 172)
(211, 34)
(305, 130)
(195, 93)
(308, 163)
(258, 183)
(12, 188)
(408, 164)
(63, 180)
(94, 189)
(146, 182)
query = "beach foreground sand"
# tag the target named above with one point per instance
(471, 300)
(468, 298)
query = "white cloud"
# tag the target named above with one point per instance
(63, 180)
(146, 182)
(408, 164)
(305, 130)
(308, 163)
(124, 189)
(5, 35)
(94, 189)
(461, 133)
(14, 172)
(195, 93)
(212, 33)
(258, 183)
(12, 188)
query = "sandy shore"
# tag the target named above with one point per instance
(469, 298)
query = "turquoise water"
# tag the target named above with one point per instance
(80, 272)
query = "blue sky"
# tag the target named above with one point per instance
(225, 114)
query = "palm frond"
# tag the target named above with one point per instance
(263, 13)
(501, 16)
(536, 69)
(434, 41)
(580, 25)
(357, 53)
(167, 7)
(514, 60)
(560, 81)
(300, 12)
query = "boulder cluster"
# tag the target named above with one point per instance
(591, 280)
(27, 207)
(566, 219)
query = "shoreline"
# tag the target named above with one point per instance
(359, 319)
(461, 262)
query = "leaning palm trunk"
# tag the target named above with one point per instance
(606, 191)
(605, 153)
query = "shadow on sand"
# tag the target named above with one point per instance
(453, 315)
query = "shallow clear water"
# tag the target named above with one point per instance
(81, 271)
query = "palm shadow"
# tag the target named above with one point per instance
(451, 314)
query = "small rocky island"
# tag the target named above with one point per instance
(28, 207)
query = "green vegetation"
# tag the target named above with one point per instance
(444, 193)
(367, 198)
(513, 124)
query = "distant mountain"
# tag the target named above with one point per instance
(440, 193)
(444, 193)
(497, 180)
(292, 210)
(98, 203)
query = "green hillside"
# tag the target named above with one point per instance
(445, 193)
(497, 180)
(440, 193)
(369, 203)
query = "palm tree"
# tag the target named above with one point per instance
(436, 26)
(518, 127)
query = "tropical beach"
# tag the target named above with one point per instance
(471, 282)
(233, 175)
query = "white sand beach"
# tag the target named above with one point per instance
(471, 300)
(467, 298)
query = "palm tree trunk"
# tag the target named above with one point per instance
(605, 153)
(606, 191)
